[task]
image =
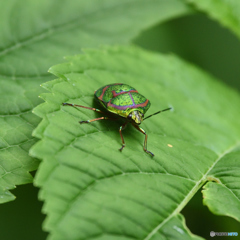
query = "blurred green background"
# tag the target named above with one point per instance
(201, 41)
(194, 38)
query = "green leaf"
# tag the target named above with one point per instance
(226, 12)
(91, 190)
(17, 123)
(223, 198)
(37, 34)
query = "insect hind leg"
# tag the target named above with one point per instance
(76, 105)
(90, 108)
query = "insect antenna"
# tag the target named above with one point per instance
(157, 113)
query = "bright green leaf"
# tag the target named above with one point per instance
(226, 12)
(37, 34)
(91, 190)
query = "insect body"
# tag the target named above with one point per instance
(122, 100)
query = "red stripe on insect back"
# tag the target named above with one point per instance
(128, 106)
(122, 92)
(143, 104)
(103, 92)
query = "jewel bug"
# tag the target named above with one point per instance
(124, 101)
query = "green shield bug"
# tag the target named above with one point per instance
(121, 100)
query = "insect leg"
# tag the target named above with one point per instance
(94, 109)
(96, 119)
(76, 105)
(145, 141)
(120, 131)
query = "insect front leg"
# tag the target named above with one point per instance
(145, 141)
(120, 131)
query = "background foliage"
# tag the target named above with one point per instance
(31, 43)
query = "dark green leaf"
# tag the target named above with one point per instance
(226, 12)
